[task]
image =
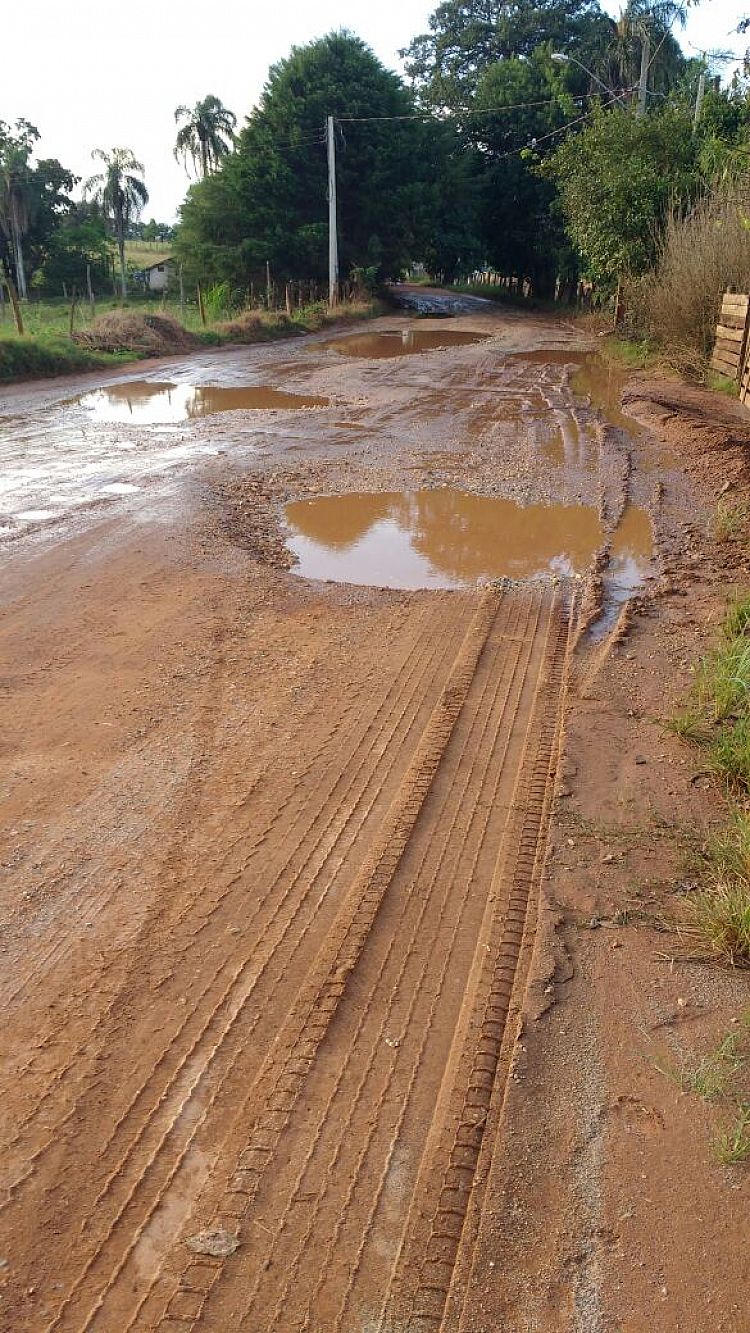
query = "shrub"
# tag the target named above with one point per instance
(701, 254)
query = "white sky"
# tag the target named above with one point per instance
(91, 75)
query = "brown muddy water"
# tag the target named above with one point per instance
(147, 403)
(401, 342)
(452, 539)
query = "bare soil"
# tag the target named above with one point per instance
(336, 951)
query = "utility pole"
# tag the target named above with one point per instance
(643, 81)
(699, 99)
(333, 241)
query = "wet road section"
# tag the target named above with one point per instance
(286, 635)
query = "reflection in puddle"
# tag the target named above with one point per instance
(551, 356)
(143, 402)
(36, 515)
(603, 384)
(402, 342)
(631, 548)
(448, 539)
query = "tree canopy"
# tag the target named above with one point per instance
(268, 201)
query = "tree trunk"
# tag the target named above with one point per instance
(18, 260)
(121, 252)
(13, 294)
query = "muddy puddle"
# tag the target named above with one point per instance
(402, 342)
(147, 403)
(602, 384)
(451, 539)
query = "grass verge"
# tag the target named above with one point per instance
(122, 334)
(721, 1078)
(715, 919)
(37, 358)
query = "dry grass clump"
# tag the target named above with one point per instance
(252, 326)
(702, 255)
(123, 331)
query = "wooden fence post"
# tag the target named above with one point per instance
(201, 306)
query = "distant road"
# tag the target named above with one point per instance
(436, 301)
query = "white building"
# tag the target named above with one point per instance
(157, 277)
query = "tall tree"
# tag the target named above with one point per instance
(618, 179)
(206, 136)
(466, 37)
(639, 22)
(16, 194)
(122, 194)
(268, 202)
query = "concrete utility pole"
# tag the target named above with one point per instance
(643, 81)
(333, 240)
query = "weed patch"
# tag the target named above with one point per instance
(731, 520)
(716, 918)
(720, 1077)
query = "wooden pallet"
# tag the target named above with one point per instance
(731, 336)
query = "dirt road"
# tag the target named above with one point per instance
(272, 848)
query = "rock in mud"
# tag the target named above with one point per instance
(216, 1242)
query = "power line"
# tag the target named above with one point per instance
(560, 130)
(461, 115)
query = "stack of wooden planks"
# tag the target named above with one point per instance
(731, 336)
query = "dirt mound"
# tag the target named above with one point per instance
(120, 331)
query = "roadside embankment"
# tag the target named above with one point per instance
(123, 335)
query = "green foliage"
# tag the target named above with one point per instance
(218, 300)
(617, 181)
(77, 242)
(465, 40)
(268, 202)
(206, 135)
(121, 193)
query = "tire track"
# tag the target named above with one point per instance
(343, 1117)
(383, 714)
(445, 1190)
(285, 1071)
(418, 689)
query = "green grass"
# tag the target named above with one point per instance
(731, 521)
(47, 349)
(720, 1077)
(688, 724)
(737, 619)
(722, 681)
(142, 254)
(34, 358)
(722, 384)
(731, 1146)
(716, 918)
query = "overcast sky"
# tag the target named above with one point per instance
(91, 75)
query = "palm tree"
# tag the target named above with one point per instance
(644, 22)
(121, 193)
(207, 135)
(16, 197)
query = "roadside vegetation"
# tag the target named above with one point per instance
(116, 334)
(715, 919)
(721, 1077)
